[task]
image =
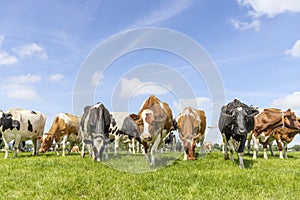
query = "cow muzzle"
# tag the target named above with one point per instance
(146, 137)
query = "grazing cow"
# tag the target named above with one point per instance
(75, 149)
(130, 129)
(21, 125)
(236, 121)
(268, 120)
(191, 124)
(65, 128)
(94, 130)
(208, 146)
(154, 123)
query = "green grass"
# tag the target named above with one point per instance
(50, 177)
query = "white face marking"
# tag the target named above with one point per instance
(239, 108)
(146, 124)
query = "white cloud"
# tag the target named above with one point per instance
(96, 78)
(6, 59)
(31, 50)
(165, 12)
(202, 103)
(288, 101)
(243, 26)
(24, 79)
(270, 8)
(295, 50)
(135, 87)
(20, 87)
(55, 77)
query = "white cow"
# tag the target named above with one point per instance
(21, 125)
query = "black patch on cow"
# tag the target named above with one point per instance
(33, 112)
(15, 124)
(30, 126)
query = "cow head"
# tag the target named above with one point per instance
(154, 120)
(240, 119)
(46, 142)
(98, 143)
(290, 120)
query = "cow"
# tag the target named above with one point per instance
(21, 125)
(235, 122)
(191, 125)
(170, 141)
(118, 132)
(208, 146)
(130, 129)
(268, 120)
(64, 128)
(155, 121)
(75, 149)
(94, 130)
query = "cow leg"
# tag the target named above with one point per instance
(154, 148)
(265, 150)
(82, 150)
(231, 148)
(133, 145)
(117, 142)
(271, 149)
(279, 145)
(225, 148)
(249, 138)
(16, 145)
(255, 146)
(6, 147)
(285, 150)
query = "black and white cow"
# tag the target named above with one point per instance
(235, 122)
(94, 130)
(130, 129)
(21, 125)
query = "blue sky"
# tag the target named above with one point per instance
(254, 45)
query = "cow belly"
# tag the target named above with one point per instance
(12, 134)
(263, 138)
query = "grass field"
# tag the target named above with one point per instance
(50, 177)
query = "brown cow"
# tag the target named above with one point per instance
(268, 120)
(65, 127)
(191, 124)
(281, 135)
(154, 123)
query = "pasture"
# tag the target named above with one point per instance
(51, 177)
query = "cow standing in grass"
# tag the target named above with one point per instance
(94, 130)
(270, 120)
(154, 123)
(191, 124)
(65, 128)
(21, 125)
(236, 121)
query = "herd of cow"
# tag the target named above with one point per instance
(150, 128)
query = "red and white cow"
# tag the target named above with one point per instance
(154, 123)
(21, 125)
(267, 121)
(191, 124)
(65, 127)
